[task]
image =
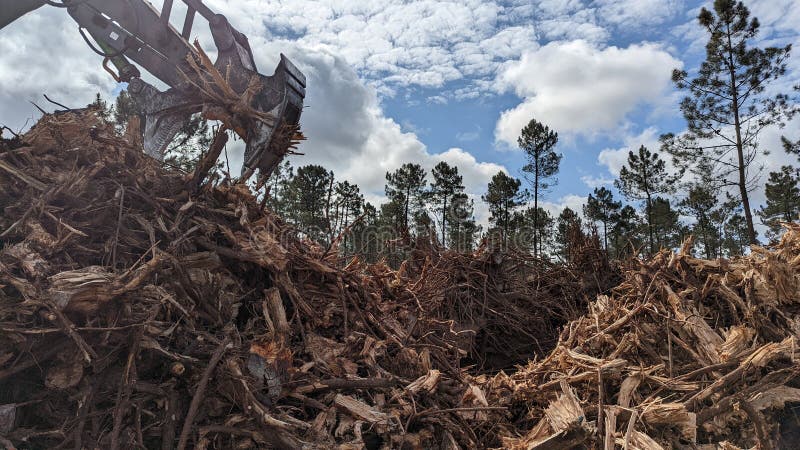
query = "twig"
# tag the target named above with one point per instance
(125, 390)
(168, 430)
(629, 430)
(201, 388)
(432, 412)
(119, 225)
(37, 107)
(69, 329)
(600, 391)
(67, 108)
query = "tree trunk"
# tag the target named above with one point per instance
(405, 209)
(650, 223)
(505, 224)
(536, 210)
(748, 215)
(444, 221)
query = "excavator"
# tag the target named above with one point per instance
(122, 31)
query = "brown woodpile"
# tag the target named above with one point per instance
(146, 308)
(685, 353)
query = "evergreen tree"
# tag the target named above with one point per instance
(666, 224)
(308, 199)
(462, 229)
(537, 141)
(447, 183)
(406, 187)
(728, 104)
(105, 111)
(701, 203)
(736, 239)
(347, 207)
(125, 107)
(366, 232)
(390, 228)
(601, 207)
(533, 228)
(569, 230)
(625, 232)
(644, 177)
(279, 183)
(783, 200)
(503, 196)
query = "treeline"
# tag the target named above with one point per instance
(435, 208)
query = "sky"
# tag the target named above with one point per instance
(424, 81)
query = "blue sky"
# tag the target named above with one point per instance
(426, 80)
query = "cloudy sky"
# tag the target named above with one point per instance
(393, 81)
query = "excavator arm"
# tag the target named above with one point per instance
(133, 30)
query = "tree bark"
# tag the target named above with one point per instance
(748, 215)
(650, 223)
(444, 221)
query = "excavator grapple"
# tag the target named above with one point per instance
(122, 31)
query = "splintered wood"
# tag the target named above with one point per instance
(145, 308)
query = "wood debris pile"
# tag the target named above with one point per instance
(143, 308)
(685, 353)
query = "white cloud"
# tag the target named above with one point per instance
(424, 43)
(55, 62)
(638, 13)
(614, 158)
(578, 88)
(571, 201)
(594, 182)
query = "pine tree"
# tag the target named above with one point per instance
(644, 177)
(534, 228)
(736, 238)
(503, 196)
(461, 226)
(105, 111)
(308, 197)
(279, 182)
(625, 232)
(537, 141)
(366, 234)
(601, 207)
(406, 187)
(783, 200)
(728, 104)
(125, 107)
(446, 184)
(569, 230)
(701, 203)
(666, 224)
(348, 205)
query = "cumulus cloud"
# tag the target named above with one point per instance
(571, 201)
(594, 182)
(638, 13)
(614, 158)
(55, 62)
(424, 43)
(579, 88)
